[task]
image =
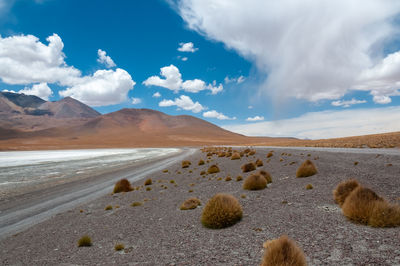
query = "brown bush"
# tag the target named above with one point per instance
(384, 214)
(270, 154)
(247, 150)
(122, 185)
(201, 162)
(148, 182)
(228, 178)
(306, 169)
(186, 164)
(252, 152)
(239, 178)
(266, 175)
(254, 182)
(343, 190)
(85, 241)
(203, 172)
(119, 247)
(222, 154)
(248, 167)
(108, 208)
(259, 163)
(136, 204)
(190, 204)
(283, 252)
(221, 211)
(358, 206)
(213, 169)
(235, 156)
(309, 186)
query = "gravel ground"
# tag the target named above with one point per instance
(158, 233)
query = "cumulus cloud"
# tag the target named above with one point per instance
(136, 100)
(347, 103)
(157, 95)
(326, 124)
(307, 49)
(237, 80)
(41, 90)
(217, 115)
(184, 102)
(25, 60)
(256, 118)
(104, 87)
(172, 80)
(103, 58)
(187, 47)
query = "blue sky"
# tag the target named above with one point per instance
(259, 69)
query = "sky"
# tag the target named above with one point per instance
(306, 69)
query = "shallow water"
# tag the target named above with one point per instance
(21, 168)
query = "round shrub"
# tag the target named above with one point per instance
(343, 190)
(235, 156)
(186, 164)
(213, 169)
(248, 167)
(266, 175)
(239, 178)
(306, 169)
(228, 178)
(85, 241)
(148, 182)
(122, 185)
(190, 204)
(283, 251)
(254, 182)
(259, 163)
(270, 154)
(222, 210)
(119, 247)
(201, 162)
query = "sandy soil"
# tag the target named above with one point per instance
(158, 233)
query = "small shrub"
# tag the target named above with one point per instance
(201, 162)
(283, 251)
(252, 152)
(213, 169)
(355, 163)
(266, 175)
(186, 164)
(190, 191)
(179, 172)
(343, 190)
(116, 206)
(108, 207)
(190, 171)
(148, 182)
(85, 241)
(358, 206)
(254, 182)
(281, 160)
(190, 204)
(306, 169)
(248, 167)
(270, 154)
(119, 247)
(203, 172)
(122, 185)
(259, 163)
(243, 196)
(228, 178)
(219, 178)
(148, 188)
(165, 171)
(222, 210)
(136, 204)
(235, 156)
(172, 181)
(309, 186)
(239, 178)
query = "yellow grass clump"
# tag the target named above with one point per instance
(122, 185)
(306, 169)
(283, 252)
(148, 182)
(222, 210)
(228, 178)
(248, 167)
(254, 182)
(85, 241)
(190, 204)
(309, 186)
(343, 190)
(119, 247)
(213, 169)
(186, 164)
(239, 178)
(201, 162)
(270, 154)
(259, 163)
(136, 204)
(266, 175)
(235, 156)
(108, 208)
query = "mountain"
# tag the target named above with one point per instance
(69, 108)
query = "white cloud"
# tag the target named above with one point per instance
(184, 102)
(326, 124)
(157, 95)
(250, 107)
(103, 58)
(41, 90)
(347, 103)
(136, 100)
(307, 49)
(256, 118)
(237, 80)
(25, 60)
(187, 47)
(104, 87)
(184, 58)
(217, 115)
(172, 80)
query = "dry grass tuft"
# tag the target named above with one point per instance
(243, 196)
(239, 178)
(119, 247)
(254, 182)
(252, 152)
(108, 208)
(122, 185)
(248, 167)
(228, 178)
(235, 156)
(148, 188)
(270, 154)
(259, 163)
(136, 204)
(203, 172)
(165, 171)
(343, 190)
(201, 162)
(213, 169)
(190, 204)
(355, 163)
(186, 164)
(283, 252)
(148, 182)
(309, 186)
(85, 241)
(222, 210)
(306, 169)
(266, 175)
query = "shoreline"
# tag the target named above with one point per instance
(159, 233)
